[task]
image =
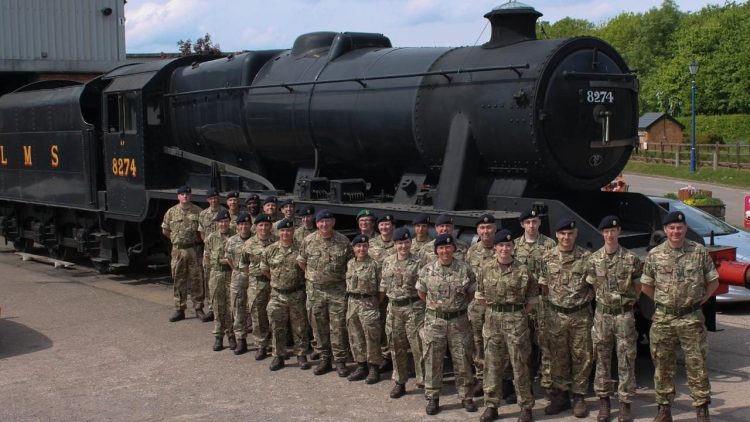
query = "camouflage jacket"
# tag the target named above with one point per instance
(206, 223)
(398, 277)
(214, 252)
(448, 288)
(478, 255)
(301, 233)
(363, 277)
(182, 224)
(233, 221)
(531, 253)
(614, 277)
(233, 250)
(416, 247)
(564, 274)
(679, 276)
(252, 254)
(325, 259)
(380, 249)
(281, 262)
(511, 285)
(427, 253)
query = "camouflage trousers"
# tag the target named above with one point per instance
(207, 287)
(438, 335)
(404, 324)
(385, 334)
(476, 317)
(258, 294)
(689, 332)
(363, 324)
(507, 340)
(186, 271)
(238, 300)
(308, 293)
(538, 323)
(571, 350)
(608, 331)
(220, 294)
(328, 310)
(288, 309)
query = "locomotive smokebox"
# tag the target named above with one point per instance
(511, 22)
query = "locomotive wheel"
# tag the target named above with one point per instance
(23, 245)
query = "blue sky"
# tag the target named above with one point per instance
(154, 26)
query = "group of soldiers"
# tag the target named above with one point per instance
(390, 291)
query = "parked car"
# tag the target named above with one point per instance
(725, 234)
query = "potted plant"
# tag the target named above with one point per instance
(711, 205)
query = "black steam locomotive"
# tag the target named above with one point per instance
(342, 121)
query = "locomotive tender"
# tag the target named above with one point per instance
(342, 121)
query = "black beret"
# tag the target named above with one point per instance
(323, 214)
(486, 219)
(444, 219)
(401, 233)
(286, 202)
(365, 213)
(306, 210)
(673, 217)
(529, 213)
(184, 189)
(387, 218)
(252, 198)
(222, 215)
(243, 217)
(421, 218)
(212, 192)
(360, 238)
(565, 224)
(285, 223)
(262, 218)
(503, 236)
(610, 222)
(445, 239)
(269, 200)
(233, 194)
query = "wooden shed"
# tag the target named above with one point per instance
(659, 128)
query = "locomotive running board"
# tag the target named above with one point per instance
(46, 260)
(176, 152)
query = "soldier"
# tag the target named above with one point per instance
(443, 225)
(287, 209)
(307, 226)
(214, 256)
(233, 205)
(405, 314)
(287, 303)
(366, 223)
(259, 290)
(271, 208)
(478, 254)
(421, 233)
(239, 284)
(382, 245)
(447, 285)
(509, 292)
(180, 225)
(680, 277)
(563, 280)
(206, 226)
(614, 273)
(252, 205)
(323, 257)
(528, 249)
(362, 313)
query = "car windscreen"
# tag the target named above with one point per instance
(702, 222)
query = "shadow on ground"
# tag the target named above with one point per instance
(17, 339)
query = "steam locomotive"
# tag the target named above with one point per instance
(342, 121)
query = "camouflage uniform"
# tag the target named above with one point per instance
(362, 313)
(569, 318)
(287, 303)
(233, 221)
(259, 291)
(221, 275)
(449, 288)
(506, 328)
(530, 253)
(476, 256)
(301, 233)
(186, 264)
(614, 278)
(326, 261)
(427, 253)
(380, 249)
(679, 278)
(206, 226)
(405, 315)
(416, 246)
(238, 286)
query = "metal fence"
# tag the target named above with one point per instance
(707, 155)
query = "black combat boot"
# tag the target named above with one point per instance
(489, 414)
(469, 405)
(664, 414)
(624, 414)
(261, 353)
(386, 366)
(433, 406)
(200, 314)
(509, 392)
(360, 372)
(604, 410)
(208, 317)
(277, 363)
(373, 375)
(479, 388)
(323, 366)
(232, 343)
(178, 315)
(303, 363)
(398, 391)
(580, 409)
(219, 344)
(341, 369)
(525, 416)
(241, 347)
(701, 413)
(559, 401)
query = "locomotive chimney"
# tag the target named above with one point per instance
(511, 22)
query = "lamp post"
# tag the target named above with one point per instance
(693, 68)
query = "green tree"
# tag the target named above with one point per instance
(566, 27)
(203, 45)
